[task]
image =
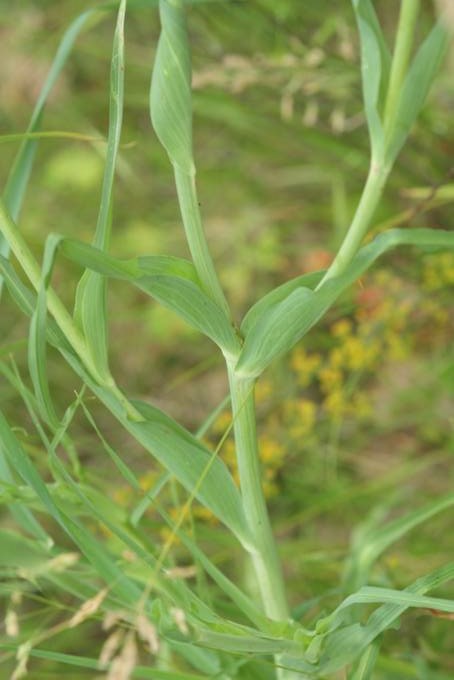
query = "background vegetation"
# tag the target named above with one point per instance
(357, 425)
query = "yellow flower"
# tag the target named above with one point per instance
(357, 354)
(147, 480)
(271, 452)
(329, 378)
(361, 406)
(305, 365)
(302, 416)
(336, 404)
(341, 328)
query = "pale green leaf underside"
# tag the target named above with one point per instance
(375, 65)
(171, 281)
(170, 94)
(278, 328)
(416, 87)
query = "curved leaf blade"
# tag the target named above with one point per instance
(416, 87)
(91, 296)
(277, 331)
(170, 94)
(375, 65)
(173, 282)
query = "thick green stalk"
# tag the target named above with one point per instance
(190, 213)
(367, 205)
(265, 558)
(57, 309)
(403, 45)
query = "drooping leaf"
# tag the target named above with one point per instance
(171, 281)
(199, 471)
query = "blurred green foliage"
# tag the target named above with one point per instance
(282, 151)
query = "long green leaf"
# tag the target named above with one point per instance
(185, 457)
(416, 86)
(365, 666)
(91, 296)
(37, 359)
(171, 281)
(170, 94)
(101, 560)
(20, 172)
(179, 451)
(21, 513)
(79, 661)
(342, 646)
(276, 330)
(375, 63)
(370, 544)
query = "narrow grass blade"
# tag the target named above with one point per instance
(243, 602)
(343, 646)
(20, 551)
(37, 359)
(21, 513)
(102, 561)
(416, 87)
(91, 295)
(252, 644)
(364, 668)
(375, 64)
(121, 466)
(19, 175)
(79, 661)
(277, 329)
(20, 293)
(373, 595)
(192, 464)
(177, 450)
(370, 544)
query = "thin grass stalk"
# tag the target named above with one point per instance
(408, 16)
(58, 310)
(198, 246)
(379, 168)
(369, 200)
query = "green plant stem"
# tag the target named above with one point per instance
(368, 202)
(190, 213)
(57, 309)
(265, 557)
(408, 16)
